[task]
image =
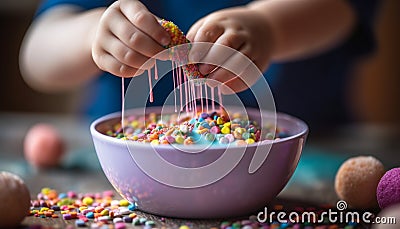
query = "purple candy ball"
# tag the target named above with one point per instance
(388, 191)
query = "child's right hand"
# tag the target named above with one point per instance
(126, 37)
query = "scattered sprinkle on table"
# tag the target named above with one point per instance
(93, 215)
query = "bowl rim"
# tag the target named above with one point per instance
(279, 115)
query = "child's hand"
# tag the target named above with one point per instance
(243, 30)
(127, 36)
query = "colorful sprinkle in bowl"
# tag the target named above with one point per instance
(188, 182)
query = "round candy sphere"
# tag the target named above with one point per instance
(387, 217)
(14, 200)
(43, 146)
(388, 191)
(357, 179)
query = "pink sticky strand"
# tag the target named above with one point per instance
(150, 85)
(123, 103)
(212, 99)
(205, 88)
(201, 97)
(155, 70)
(186, 94)
(180, 87)
(220, 97)
(179, 76)
(194, 100)
(173, 79)
(190, 95)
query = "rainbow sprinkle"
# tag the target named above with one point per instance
(181, 55)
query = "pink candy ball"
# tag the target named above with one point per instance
(43, 146)
(388, 191)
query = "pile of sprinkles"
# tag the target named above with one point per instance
(206, 128)
(102, 210)
(180, 55)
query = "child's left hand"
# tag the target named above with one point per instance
(241, 29)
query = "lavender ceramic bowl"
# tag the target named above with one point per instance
(237, 193)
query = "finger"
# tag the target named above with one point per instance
(108, 63)
(139, 16)
(218, 54)
(193, 30)
(245, 80)
(235, 64)
(133, 37)
(125, 54)
(220, 75)
(207, 32)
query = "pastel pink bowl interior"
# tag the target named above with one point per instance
(237, 194)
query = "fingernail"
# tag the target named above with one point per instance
(165, 41)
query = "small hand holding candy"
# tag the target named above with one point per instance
(242, 29)
(127, 36)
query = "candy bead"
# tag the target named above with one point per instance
(249, 141)
(220, 121)
(223, 140)
(215, 130)
(241, 143)
(237, 135)
(80, 223)
(225, 130)
(210, 137)
(202, 131)
(105, 212)
(183, 129)
(179, 139)
(120, 226)
(67, 216)
(87, 200)
(230, 137)
(131, 207)
(205, 125)
(150, 223)
(90, 215)
(246, 135)
(188, 141)
(227, 124)
(117, 220)
(170, 139)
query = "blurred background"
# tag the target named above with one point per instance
(16, 96)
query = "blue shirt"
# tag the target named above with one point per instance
(313, 89)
